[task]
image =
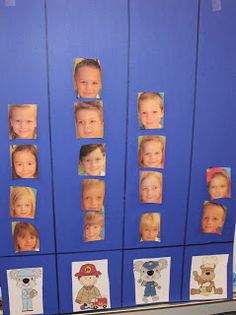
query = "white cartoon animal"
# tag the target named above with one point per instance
(26, 280)
(150, 272)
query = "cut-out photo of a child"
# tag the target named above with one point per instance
(93, 226)
(24, 161)
(92, 160)
(150, 187)
(22, 119)
(87, 78)
(150, 110)
(218, 182)
(213, 218)
(22, 202)
(25, 237)
(93, 194)
(151, 152)
(89, 120)
(149, 227)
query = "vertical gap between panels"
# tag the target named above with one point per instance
(126, 146)
(193, 129)
(50, 145)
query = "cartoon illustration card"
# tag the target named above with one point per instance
(90, 285)
(208, 279)
(234, 265)
(25, 289)
(1, 300)
(152, 279)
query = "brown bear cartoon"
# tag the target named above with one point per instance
(206, 278)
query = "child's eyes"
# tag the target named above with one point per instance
(95, 83)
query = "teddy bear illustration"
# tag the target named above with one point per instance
(206, 278)
(150, 272)
(26, 280)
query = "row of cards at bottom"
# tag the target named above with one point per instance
(96, 284)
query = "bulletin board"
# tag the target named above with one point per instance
(178, 56)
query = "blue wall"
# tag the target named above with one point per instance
(185, 49)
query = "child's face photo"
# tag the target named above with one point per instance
(27, 241)
(92, 198)
(89, 124)
(150, 190)
(88, 82)
(93, 163)
(212, 219)
(92, 232)
(151, 113)
(25, 164)
(218, 187)
(24, 122)
(23, 207)
(152, 154)
(149, 232)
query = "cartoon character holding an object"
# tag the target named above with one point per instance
(206, 278)
(26, 280)
(89, 293)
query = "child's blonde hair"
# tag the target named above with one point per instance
(94, 218)
(20, 148)
(20, 229)
(17, 193)
(145, 139)
(11, 109)
(149, 219)
(90, 183)
(95, 106)
(146, 174)
(150, 95)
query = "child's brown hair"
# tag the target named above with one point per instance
(88, 148)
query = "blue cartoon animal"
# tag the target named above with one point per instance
(150, 272)
(26, 280)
